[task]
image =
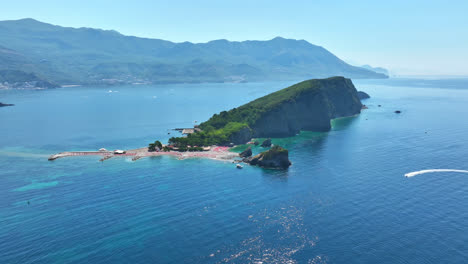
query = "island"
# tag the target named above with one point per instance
(308, 105)
(2, 104)
(276, 157)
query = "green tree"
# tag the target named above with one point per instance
(151, 147)
(158, 144)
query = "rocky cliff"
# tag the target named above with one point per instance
(363, 95)
(308, 105)
(310, 109)
(276, 157)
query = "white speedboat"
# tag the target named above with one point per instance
(239, 166)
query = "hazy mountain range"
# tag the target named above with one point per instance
(376, 69)
(64, 55)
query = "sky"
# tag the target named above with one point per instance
(410, 37)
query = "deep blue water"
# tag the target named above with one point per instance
(344, 199)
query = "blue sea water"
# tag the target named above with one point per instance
(344, 200)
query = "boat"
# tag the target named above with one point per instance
(239, 166)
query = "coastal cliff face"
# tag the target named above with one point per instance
(308, 105)
(312, 108)
(276, 157)
(363, 95)
(241, 136)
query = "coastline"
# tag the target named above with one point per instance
(215, 153)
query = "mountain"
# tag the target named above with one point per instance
(375, 69)
(308, 105)
(21, 79)
(94, 56)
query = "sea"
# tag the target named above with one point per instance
(345, 198)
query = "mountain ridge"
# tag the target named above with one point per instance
(96, 56)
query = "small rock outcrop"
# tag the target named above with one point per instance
(256, 143)
(266, 143)
(362, 95)
(276, 157)
(397, 112)
(246, 153)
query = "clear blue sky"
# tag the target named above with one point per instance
(408, 37)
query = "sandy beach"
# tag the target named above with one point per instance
(215, 152)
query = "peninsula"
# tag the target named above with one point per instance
(308, 105)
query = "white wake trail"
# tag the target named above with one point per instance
(414, 173)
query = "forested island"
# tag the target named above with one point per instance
(308, 105)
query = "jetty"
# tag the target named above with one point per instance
(106, 154)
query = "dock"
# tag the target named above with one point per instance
(213, 152)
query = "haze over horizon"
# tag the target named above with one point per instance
(417, 38)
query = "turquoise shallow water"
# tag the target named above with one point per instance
(344, 200)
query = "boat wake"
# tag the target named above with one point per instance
(414, 173)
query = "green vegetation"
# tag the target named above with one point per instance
(209, 136)
(156, 146)
(276, 157)
(16, 78)
(251, 112)
(166, 149)
(274, 151)
(93, 56)
(219, 129)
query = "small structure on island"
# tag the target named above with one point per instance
(119, 151)
(103, 150)
(206, 148)
(187, 131)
